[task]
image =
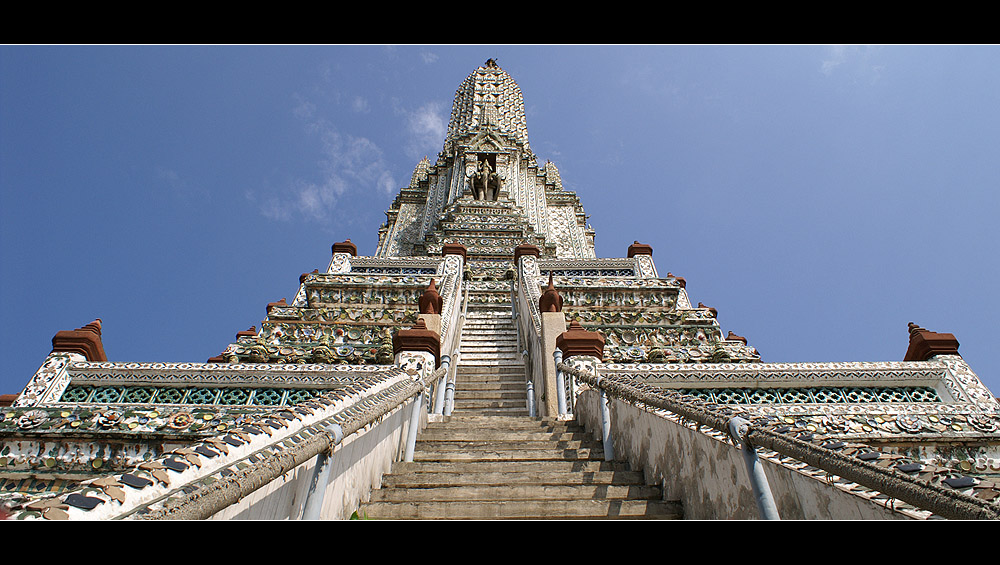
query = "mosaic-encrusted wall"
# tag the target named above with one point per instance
(347, 318)
(642, 321)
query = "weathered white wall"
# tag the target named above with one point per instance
(709, 476)
(357, 467)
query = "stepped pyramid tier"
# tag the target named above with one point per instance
(484, 363)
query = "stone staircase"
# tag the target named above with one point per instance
(489, 378)
(490, 460)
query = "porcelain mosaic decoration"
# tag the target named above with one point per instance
(484, 225)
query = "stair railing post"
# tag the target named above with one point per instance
(560, 383)
(758, 480)
(449, 397)
(321, 477)
(441, 385)
(411, 432)
(417, 353)
(530, 385)
(609, 448)
(571, 391)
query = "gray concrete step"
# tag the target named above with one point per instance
(509, 412)
(438, 434)
(450, 479)
(525, 510)
(523, 491)
(528, 467)
(508, 441)
(486, 403)
(476, 339)
(478, 384)
(509, 455)
(490, 394)
(474, 422)
(515, 374)
(488, 460)
(491, 383)
(483, 358)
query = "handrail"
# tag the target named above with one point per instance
(456, 352)
(452, 320)
(948, 503)
(206, 500)
(525, 345)
(450, 317)
(528, 323)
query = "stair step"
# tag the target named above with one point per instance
(481, 381)
(491, 384)
(484, 373)
(506, 412)
(482, 492)
(518, 455)
(506, 444)
(485, 338)
(525, 509)
(489, 460)
(506, 378)
(469, 403)
(446, 479)
(474, 422)
(437, 434)
(497, 411)
(490, 395)
(477, 386)
(488, 361)
(529, 467)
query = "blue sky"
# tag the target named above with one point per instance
(820, 197)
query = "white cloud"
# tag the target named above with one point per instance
(836, 55)
(170, 177)
(178, 186)
(349, 168)
(426, 127)
(305, 109)
(428, 57)
(856, 61)
(360, 105)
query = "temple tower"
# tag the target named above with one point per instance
(484, 321)
(486, 189)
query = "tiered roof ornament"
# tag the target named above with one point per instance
(85, 341)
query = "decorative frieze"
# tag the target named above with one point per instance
(879, 399)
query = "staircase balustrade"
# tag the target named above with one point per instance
(947, 503)
(529, 329)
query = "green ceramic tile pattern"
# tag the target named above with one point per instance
(817, 395)
(88, 394)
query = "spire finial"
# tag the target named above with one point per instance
(550, 301)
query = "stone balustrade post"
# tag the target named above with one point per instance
(418, 352)
(553, 325)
